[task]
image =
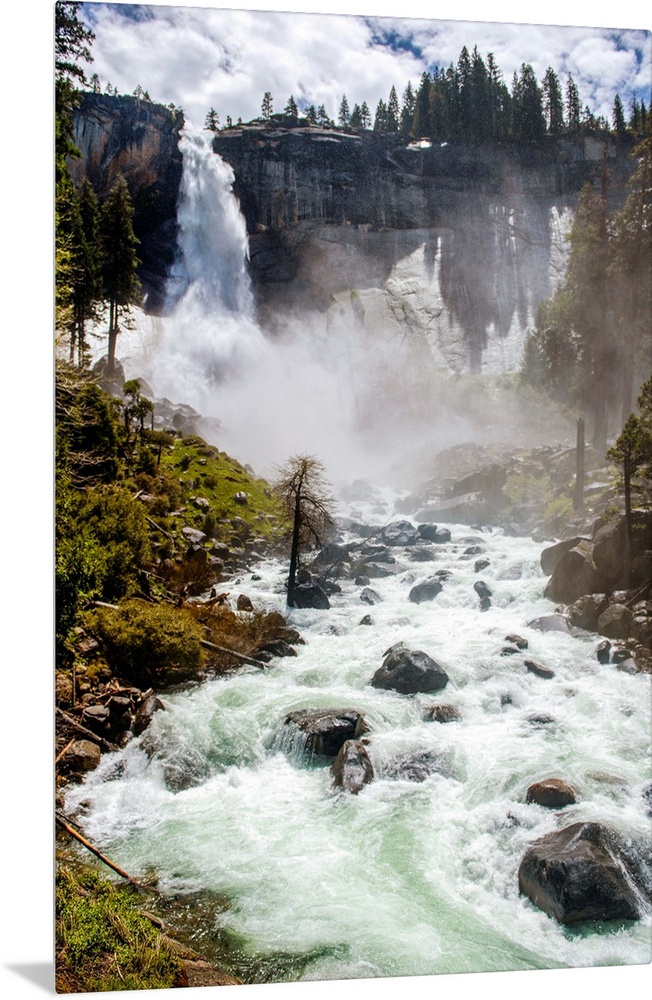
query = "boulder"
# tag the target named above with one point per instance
(144, 715)
(415, 765)
(244, 603)
(603, 651)
(517, 640)
(323, 731)
(352, 768)
(399, 533)
(311, 595)
(431, 533)
(574, 575)
(550, 623)
(481, 564)
(82, 756)
(577, 874)
(362, 580)
(551, 555)
(409, 672)
(366, 620)
(584, 613)
(369, 596)
(615, 622)
(425, 591)
(193, 535)
(539, 670)
(552, 793)
(441, 713)
(481, 589)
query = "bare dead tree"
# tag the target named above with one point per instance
(305, 495)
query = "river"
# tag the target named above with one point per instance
(285, 879)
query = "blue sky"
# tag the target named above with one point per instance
(200, 56)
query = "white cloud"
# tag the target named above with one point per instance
(199, 57)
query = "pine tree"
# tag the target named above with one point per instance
(573, 105)
(267, 106)
(322, 118)
(212, 122)
(96, 86)
(618, 117)
(380, 118)
(528, 121)
(121, 285)
(365, 115)
(393, 112)
(421, 121)
(291, 109)
(355, 121)
(311, 114)
(553, 102)
(343, 114)
(407, 109)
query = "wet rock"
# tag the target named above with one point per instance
(401, 533)
(539, 670)
(540, 719)
(517, 640)
(615, 622)
(551, 792)
(485, 603)
(415, 765)
(409, 672)
(509, 651)
(481, 564)
(574, 575)
(370, 596)
(441, 713)
(431, 533)
(352, 769)
(578, 874)
(366, 620)
(552, 555)
(311, 595)
(145, 713)
(550, 623)
(96, 718)
(472, 550)
(481, 589)
(362, 580)
(425, 591)
(325, 730)
(603, 652)
(244, 603)
(585, 612)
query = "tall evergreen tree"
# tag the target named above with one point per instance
(573, 105)
(407, 109)
(291, 108)
(393, 112)
(365, 115)
(553, 102)
(355, 119)
(267, 106)
(528, 121)
(212, 122)
(618, 117)
(121, 285)
(380, 118)
(421, 120)
(344, 113)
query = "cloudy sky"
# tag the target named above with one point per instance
(199, 56)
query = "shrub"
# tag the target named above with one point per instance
(120, 527)
(148, 644)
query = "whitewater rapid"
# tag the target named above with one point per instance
(406, 878)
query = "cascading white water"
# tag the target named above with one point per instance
(406, 877)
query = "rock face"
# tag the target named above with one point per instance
(409, 672)
(474, 232)
(578, 874)
(138, 139)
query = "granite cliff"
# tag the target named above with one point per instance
(450, 246)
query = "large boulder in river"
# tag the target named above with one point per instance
(409, 671)
(609, 543)
(352, 768)
(574, 575)
(579, 873)
(311, 595)
(553, 553)
(615, 622)
(425, 591)
(433, 533)
(323, 731)
(399, 533)
(551, 792)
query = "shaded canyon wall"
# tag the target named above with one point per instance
(450, 247)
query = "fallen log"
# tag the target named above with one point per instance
(87, 732)
(231, 652)
(98, 854)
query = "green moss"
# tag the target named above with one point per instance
(103, 943)
(148, 643)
